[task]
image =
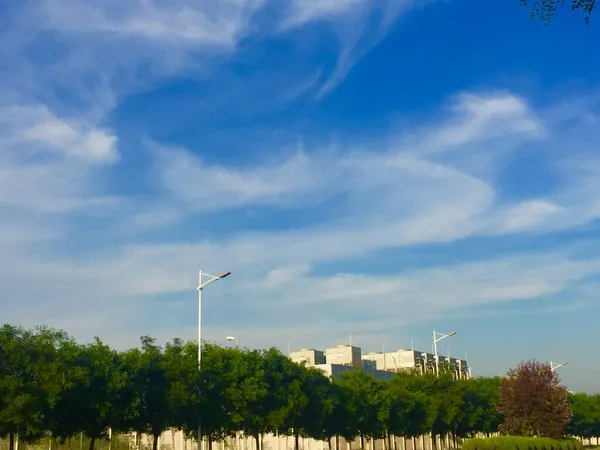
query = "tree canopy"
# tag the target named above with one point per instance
(533, 402)
(51, 385)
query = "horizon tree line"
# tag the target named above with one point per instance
(52, 386)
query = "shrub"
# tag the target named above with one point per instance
(522, 443)
(473, 444)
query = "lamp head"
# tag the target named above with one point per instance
(224, 274)
(230, 338)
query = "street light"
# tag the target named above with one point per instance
(233, 338)
(204, 279)
(553, 366)
(437, 337)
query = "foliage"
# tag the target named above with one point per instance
(30, 380)
(52, 386)
(147, 373)
(533, 402)
(586, 415)
(363, 397)
(94, 396)
(518, 443)
(181, 361)
(545, 9)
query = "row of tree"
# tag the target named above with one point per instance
(52, 386)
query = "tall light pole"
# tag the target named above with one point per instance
(233, 338)
(437, 337)
(204, 279)
(553, 366)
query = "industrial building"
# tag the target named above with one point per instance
(310, 356)
(344, 355)
(337, 360)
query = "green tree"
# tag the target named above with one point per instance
(283, 379)
(447, 400)
(306, 402)
(94, 398)
(545, 9)
(586, 416)
(320, 406)
(404, 412)
(478, 412)
(30, 381)
(533, 402)
(151, 385)
(444, 400)
(235, 394)
(181, 361)
(363, 400)
(252, 400)
(222, 380)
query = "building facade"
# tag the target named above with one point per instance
(308, 355)
(344, 355)
(378, 363)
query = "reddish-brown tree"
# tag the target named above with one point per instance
(533, 402)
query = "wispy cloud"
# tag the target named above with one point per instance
(98, 227)
(182, 21)
(398, 196)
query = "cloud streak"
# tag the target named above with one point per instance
(405, 194)
(102, 230)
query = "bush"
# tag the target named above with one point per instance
(522, 443)
(473, 444)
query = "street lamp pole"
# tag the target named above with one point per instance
(553, 366)
(437, 337)
(201, 285)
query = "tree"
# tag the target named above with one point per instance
(147, 369)
(305, 396)
(533, 402)
(254, 400)
(181, 360)
(363, 399)
(52, 386)
(447, 401)
(94, 398)
(586, 416)
(220, 378)
(30, 381)
(404, 412)
(320, 406)
(545, 9)
(478, 412)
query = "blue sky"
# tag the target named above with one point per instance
(374, 168)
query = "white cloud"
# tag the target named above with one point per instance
(302, 11)
(43, 131)
(220, 23)
(403, 169)
(46, 164)
(394, 196)
(529, 215)
(359, 25)
(108, 49)
(416, 187)
(482, 118)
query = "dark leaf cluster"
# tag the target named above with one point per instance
(546, 9)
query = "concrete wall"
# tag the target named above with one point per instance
(344, 355)
(174, 441)
(335, 371)
(310, 356)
